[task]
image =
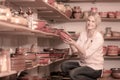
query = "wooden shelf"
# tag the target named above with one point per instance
(108, 78)
(107, 1)
(76, 1)
(3, 74)
(105, 38)
(110, 20)
(112, 57)
(33, 67)
(112, 38)
(103, 19)
(71, 1)
(14, 29)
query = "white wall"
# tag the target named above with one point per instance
(101, 6)
(13, 41)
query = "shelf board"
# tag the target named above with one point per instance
(16, 33)
(110, 20)
(76, 1)
(108, 78)
(105, 38)
(112, 57)
(3, 74)
(103, 19)
(4, 26)
(15, 29)
(112, 38)
(32, 67)
(107, 0)
(76, 20)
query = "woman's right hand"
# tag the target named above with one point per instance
(66, 38)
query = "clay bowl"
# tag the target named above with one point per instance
(115, 73)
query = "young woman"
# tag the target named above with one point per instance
(89, 47)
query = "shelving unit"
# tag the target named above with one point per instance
(112, 39)
(50, 13)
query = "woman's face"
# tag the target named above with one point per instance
(91, 23)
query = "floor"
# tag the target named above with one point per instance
(67, 78)
(108, 78)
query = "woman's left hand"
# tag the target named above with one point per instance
(69, 41)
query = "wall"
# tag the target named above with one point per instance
(13, 41)
(79, 26)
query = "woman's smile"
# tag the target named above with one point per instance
(91, 24)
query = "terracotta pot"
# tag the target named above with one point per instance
(85, 14)
(40, 25)
(103, 14)
(64, 35)
(51, 2)
(94, 10)
(30, 56)
(77, 12)
(105, 50)
(116, 73)
(112, 50)
(115, 34)
(44, 61)
(5, 14)
(5, 65)
(118, 14)
(106, 73)
(18, 63)
(111, 14)
(108, 32)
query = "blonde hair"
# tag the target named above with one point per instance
(97, 18)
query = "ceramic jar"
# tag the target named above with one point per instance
(113, 50)
(108, 32)
(5, 65)
(76, 12)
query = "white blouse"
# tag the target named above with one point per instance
(93, 56)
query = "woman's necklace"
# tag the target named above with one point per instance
(89, 40)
